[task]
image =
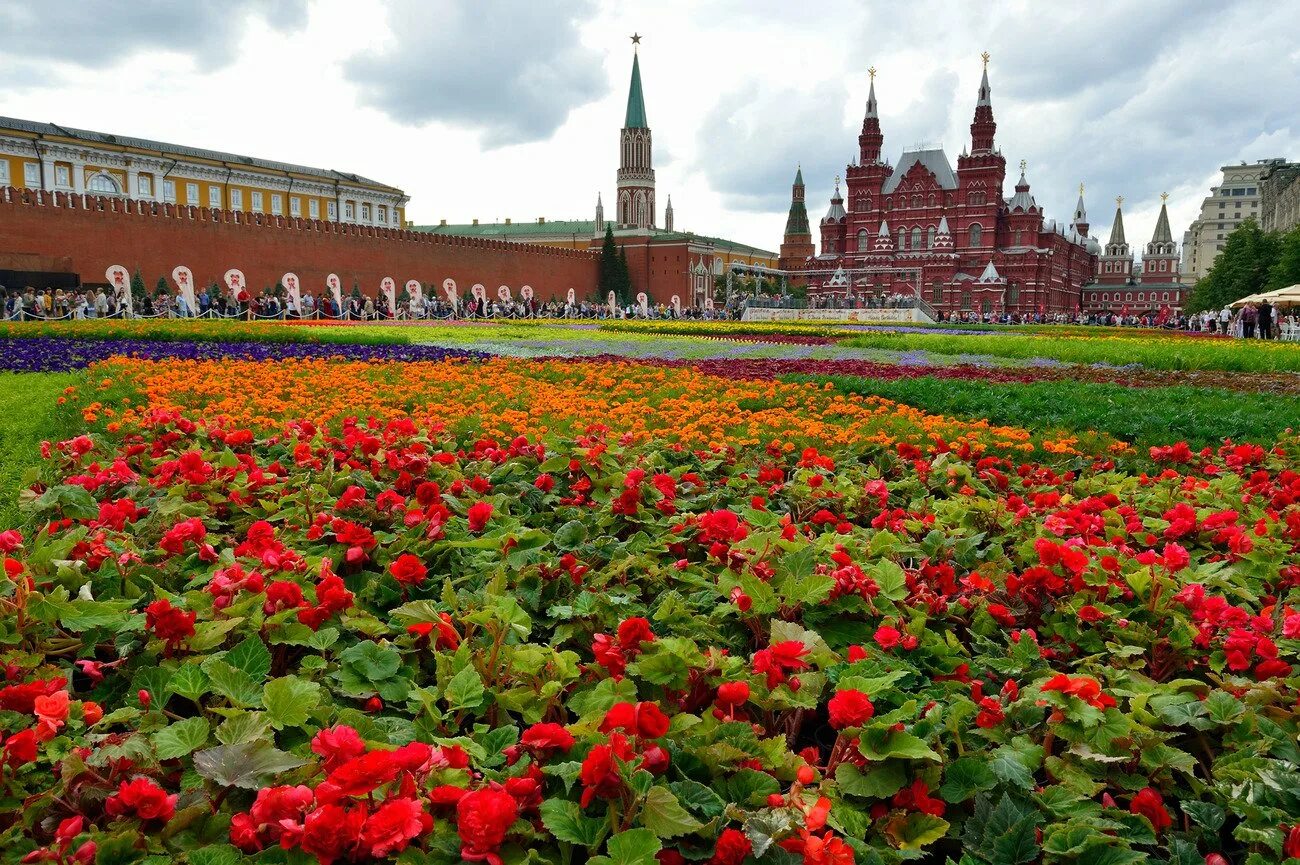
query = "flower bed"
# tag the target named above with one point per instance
(388, 642)
(60, 354)
(195, 330)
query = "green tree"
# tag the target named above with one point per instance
(1243, 267)
(160, 287)
(1286, 269)
(612, 272)
(623, 289)
(137, 286)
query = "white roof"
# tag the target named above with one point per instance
(934, 160)
(990, 273)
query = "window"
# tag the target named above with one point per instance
(889, 204)
(862, 240)
(257, 201)
(1164, 265)
(277, 205)
(214, 196)
(1013, 294)
(31, 174)
(929, 238)
(916, 238)
(1166, 296)
(349, 210)
(902, 239)
(1128, 296)
(4, 172)
(144, 185)
(103, 184)
(382, 212)
(965, 300)
(930, 201)
(191, 193)
(169, 191)
(1142, 295)
(62, 176)
(976, 235)
(975, 198)
(236, 199)
(986, 305)
(1250, 190)
(313, 209)
(1017, 237)
(640, 213)
(295, 206)
(916, 201)
(936, 292)
(333, 211)
(1105, 298)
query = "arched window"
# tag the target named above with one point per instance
(1105, 298)
(1017, 237)
(1013, 294)
(867, 206)
(902, 239)
(930, 201)
(103, 184)
(916, 238)
(965, 300)
(1141, 296)
(936, 292)
(986, 305)
(889, 204)
(975, 198)
(1163, 265)
(929, 238)
(916, 201)
(976, 234)
(1128, 296)
(862, 240)
(1166, 296)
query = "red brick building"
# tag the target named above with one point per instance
(1154, 286)
(919, 227)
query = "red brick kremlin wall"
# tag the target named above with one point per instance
(96, 232)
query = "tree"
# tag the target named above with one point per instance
(1242, 268)
(1286, 269)
(623, 291)
(137, 286)
(160, 287)
(613, 273)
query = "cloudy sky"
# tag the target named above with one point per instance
(511, 108)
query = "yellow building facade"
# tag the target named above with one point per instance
(55, 158)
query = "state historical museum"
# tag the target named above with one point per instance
(921, 228)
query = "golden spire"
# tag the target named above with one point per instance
(1023, 166)
(871, 70)
(985, 58)
(1164, 196)
(1081, 189)
(1119, 200)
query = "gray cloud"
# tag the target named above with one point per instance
(512, 70)
(100, 33)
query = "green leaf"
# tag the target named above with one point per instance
(189, 681)
(465, 690)
(232, 683)
(1015, 764)
(1207, 814)
(664, 815)
(633, 847)
(372, 662)
(699, 798)
(323, 639)
(252, 657)
(881, 743)
(891, 579)
(916, 830)
(289, 701)
(181, 738)
(747, 787)
(965, 777)
(248, 764)
(1223, 708)
(571, 535)
(243, 727)
(878, 782)
(564, 820)
(214, 854)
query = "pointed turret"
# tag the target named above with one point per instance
(1115, 266)
(1162, 234)
(871, 139)
(635, 99)
(600, 215)
(884, 241)
(797, 246)
(1160, 263)
(1022, 201)
(796, 223)
(983, 127)
(943, 236)
(835, 213)
(1080, 221)
(668, 215)
(990, 274)
(1117, 230)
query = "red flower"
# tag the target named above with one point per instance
(731, 849)
(338, 745)
(826, 850)
(1089, 613)
(51, 713)
(1150, 804)
(849, 708)
(599, 774)
(1083, 687)
(887, 637)
(169, 624)
(644, 719)
(358, 776)
(331, 831)
(917, 798)
(20, 748)
(482, 819)
(142, 799)
(448, 636)
(779, 660)
(478, 515)
(546, 739)
(632, 633)
(733, 693)
(609, 655)
(1291, 846)
(392, 827)
(408, 570)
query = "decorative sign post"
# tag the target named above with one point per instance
(118, 277)
(572, 297)
(677, 305)
(503, 294)
(479, 293)
(613, 303)
(453, 297)
(185, 282)
(644, 302)
(389, 288)
(526, 295)
(416, 292)
(336, 290)
(290, 283)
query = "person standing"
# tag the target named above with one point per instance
(1266, 320)
(1249, 316)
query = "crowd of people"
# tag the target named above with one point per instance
(1253, 321)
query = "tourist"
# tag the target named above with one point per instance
(1249, 318)
(1266, 320)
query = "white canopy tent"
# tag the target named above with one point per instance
(1289, 296)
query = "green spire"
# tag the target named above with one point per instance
(635, 100)
(798, 176)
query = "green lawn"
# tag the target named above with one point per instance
(1143, 416)
(28, 415)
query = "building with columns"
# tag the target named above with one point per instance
(52, 158)
(919, 227)
(663, 261)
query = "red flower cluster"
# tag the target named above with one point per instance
(171, 625)
(777, 662)
(142, 799)
(1083, 687)
(188, 531)
(614, 653)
